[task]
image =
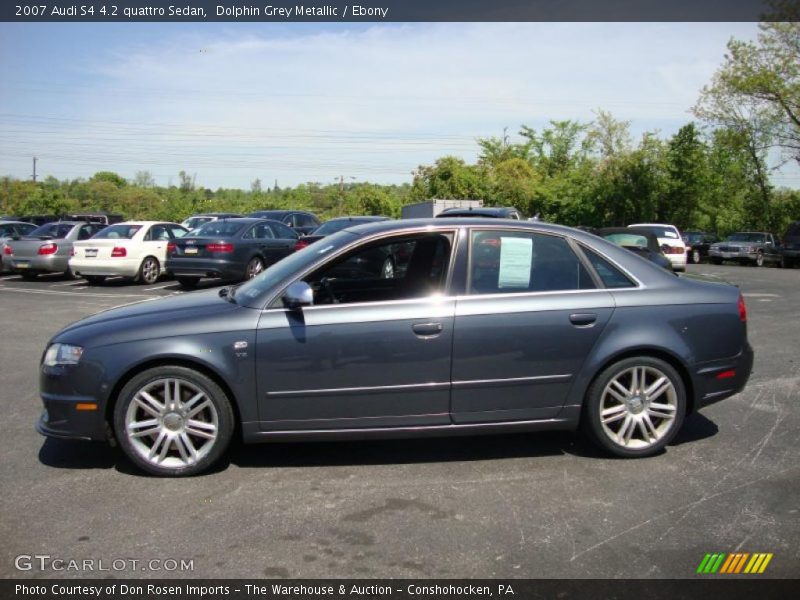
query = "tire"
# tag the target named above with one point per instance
(94, 279)
(187, 282)
(647, 427)
(162, 438)
(387, 269)
(759, 261)
(254, 267)
(68, 274)
(716, 261)
(149, 271)
(28, 276)
(696, 258)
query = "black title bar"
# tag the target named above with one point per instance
(390, 10)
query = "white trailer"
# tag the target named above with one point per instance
(431, 208)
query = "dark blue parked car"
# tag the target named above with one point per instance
(493, 326)
(234, 249)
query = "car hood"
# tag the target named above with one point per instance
(165, 317)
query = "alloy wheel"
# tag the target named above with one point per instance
(387, 270)
(171, 423)
(150, 270)
(638, 407)
(254, 267)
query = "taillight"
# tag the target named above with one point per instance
(119, 252)
(667, 249)
(300, 244)
(72, 251)
(742, 310)
(49, 248)
(7, 250)
(171, 247)
(224, 247)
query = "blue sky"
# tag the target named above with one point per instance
(310, 102)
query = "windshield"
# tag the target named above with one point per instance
(627, 239)
(54, 230)
(252, 292)
(116, 232)
(693, 237)
(746, 237)
(219, 229)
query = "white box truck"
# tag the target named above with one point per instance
(431, 208)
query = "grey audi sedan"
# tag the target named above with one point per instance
(494, 326)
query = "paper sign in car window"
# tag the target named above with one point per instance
(516, 256)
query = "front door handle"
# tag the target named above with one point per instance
(583, 319)
(427, 329)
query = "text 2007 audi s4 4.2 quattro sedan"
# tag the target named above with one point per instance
(493, 326)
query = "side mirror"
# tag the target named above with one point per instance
(298, 295)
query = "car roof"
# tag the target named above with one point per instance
(652, 225)
(3, 222)
(365, 218)
(642, 232)
(244, 220)
(450, 222)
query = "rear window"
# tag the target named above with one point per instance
(118, 232)
(747, 237)
(53, 230)
(218, 229)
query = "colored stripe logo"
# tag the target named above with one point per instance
(734, 563)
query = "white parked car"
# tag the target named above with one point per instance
(670, 240)
(135, 249)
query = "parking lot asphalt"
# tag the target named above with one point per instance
(533, 505)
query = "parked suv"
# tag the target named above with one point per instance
(790, 249)
(747, 247)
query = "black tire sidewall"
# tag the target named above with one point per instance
(213, 391)
(590, 419)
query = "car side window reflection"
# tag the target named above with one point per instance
(610, 276)
(396, 269)
(506, 262)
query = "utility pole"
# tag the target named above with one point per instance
(34, 169)
(341, 193)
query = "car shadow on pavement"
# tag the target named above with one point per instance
(696, 427)
(66, 454)
(410, 451)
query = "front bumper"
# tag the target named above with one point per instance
(720, 379)
(732, 255)
(62, 388)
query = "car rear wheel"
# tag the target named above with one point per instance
(696, 257)
(188, 282)
(95, 279)
(635, 407)
(173, 421)
(254, 267)
(149, 271)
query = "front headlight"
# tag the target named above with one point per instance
(62, 354)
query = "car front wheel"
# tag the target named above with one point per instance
(759, 262)
(635, 407)
(696, 257)
(173, 421)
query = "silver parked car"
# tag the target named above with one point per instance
(47, 249)
(493, 326)
(9, 230)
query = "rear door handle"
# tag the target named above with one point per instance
(427, 329)
(583, 319)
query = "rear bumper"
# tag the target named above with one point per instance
(717, 380)
(113, 267)
(38, 264)
(678, 261)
